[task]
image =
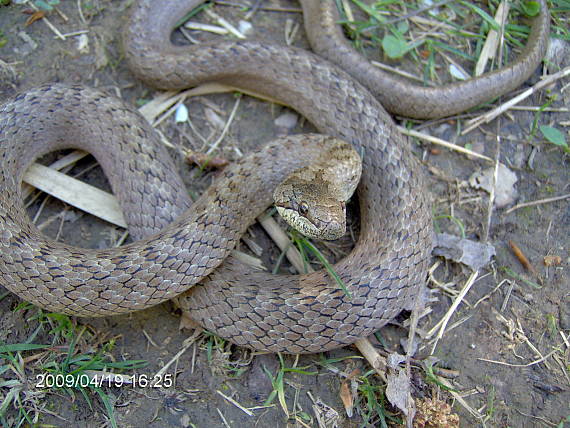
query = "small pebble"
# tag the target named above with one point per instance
(457, 72)
(287, 120)
(83, 44)
(181, 114)
(245, 27)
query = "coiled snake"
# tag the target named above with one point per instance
(296, 314)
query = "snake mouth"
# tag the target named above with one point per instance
(329, 230)
(298, 222)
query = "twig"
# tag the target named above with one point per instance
(532, 363)
(460, 400)
(76, 193)
(489, 116)
(223, 418)
(80, 11)
(226, 128)
(416, 12)
(224, 23)
(377, 361)
(152, 342)
(185, 345)
(409, 352)
(266, 8)
(191, 25)
(398, 71)
(546, 421)
(507, 296)
(58, 165)
(347, 10)
(565, 339)
(487, 296)
(538, 202)
(440, 142)
(47, 22)
(491, 201)
(76, 33)
(542, 109)
(235, 403)
(452, 309)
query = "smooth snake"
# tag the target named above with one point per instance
(295, 314)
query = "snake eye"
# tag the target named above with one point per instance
(303, 208)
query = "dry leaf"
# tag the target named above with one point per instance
(505, 192)
(346, 398)
(204, 160)
(471, 253)
(552, 260)
(37, 15)
(398, 391)
(522, 258)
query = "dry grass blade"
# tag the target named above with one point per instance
(538, 202)
(163, 101)
(492, 42)
(77, 193)
(224, 23)
(52, 27)
(489, 116)
(442, 324)
(443, 143)
(58, 165)
(235, 403)
(532, 363)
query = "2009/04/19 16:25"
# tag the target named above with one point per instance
(83, 380)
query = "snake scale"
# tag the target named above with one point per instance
(183, 245)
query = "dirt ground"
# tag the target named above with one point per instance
(521, 328)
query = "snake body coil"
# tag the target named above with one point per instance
(401, 97)
(296, 314)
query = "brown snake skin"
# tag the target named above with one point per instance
(294, 314)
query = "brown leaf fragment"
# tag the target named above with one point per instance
(522, 258)
(552, 260)
(204, 160)
(346, 398)
(36, 16)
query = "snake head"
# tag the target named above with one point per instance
(310, 210)
(312, 199)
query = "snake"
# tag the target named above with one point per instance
(185, 247)
(404, 98)
(312, 199)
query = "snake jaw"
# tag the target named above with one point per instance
(320, 222)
